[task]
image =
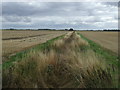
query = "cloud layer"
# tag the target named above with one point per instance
(77, 15)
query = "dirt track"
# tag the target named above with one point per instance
(108, 40)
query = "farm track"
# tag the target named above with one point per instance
(22, 37)
(6, 34)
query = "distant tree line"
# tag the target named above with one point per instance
(46, 29)
(71, 29)
(111, 30)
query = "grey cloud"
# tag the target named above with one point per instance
(51, 9)
(72, 14)
(16, 19)
(111, 3)
(15, 8)
(53, 25)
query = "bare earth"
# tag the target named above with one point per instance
(15, 41)
(108, 40)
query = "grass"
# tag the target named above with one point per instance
(111, 58)
(23, 54)
(67, 62)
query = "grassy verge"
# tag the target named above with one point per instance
(23, 54)
(110, 58)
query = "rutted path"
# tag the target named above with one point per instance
(16, 38)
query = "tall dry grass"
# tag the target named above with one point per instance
(69, 63)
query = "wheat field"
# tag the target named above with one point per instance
(108, 40)
(20, 40)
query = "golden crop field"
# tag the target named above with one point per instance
(108, 40)
(15, 41)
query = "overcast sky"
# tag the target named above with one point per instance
(58, 15)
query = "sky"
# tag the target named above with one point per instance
(60, 15)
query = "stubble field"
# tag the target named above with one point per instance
(108, 40)
(16, 41)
